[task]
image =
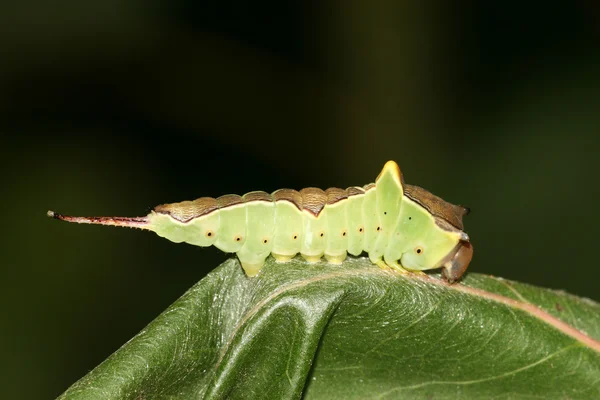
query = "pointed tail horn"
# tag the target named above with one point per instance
(136, 222)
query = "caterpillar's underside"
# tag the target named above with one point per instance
(400, 226)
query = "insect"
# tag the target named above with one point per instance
(400, 226)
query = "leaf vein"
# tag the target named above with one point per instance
(481, 380)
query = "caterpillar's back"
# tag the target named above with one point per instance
(400, 226)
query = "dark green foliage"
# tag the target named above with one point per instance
(352, 331)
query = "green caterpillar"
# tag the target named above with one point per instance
(400, 226)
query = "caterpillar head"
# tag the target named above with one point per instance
(438, 240)
(458, 262)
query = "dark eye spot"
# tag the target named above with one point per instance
(265, 241)
(419, 250)
(209, 233)
(321, 234)
(385, 213)
(295, 237)
(238, 238)
(378, 228)
(360, 230)
(409, 217)
(344, 233)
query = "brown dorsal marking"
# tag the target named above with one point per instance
(291, 195)
(313, 200)
(229, 200)
(355, 191)
(445, 225)
(257, 196)
(369, 186)
(188, 210)
(335, 194)
(439, 208)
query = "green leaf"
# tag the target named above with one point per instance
(355, 331)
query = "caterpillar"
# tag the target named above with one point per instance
(399, 226)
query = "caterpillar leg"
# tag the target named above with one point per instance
(396, 267)
(312, 258)
(393, 266)
(280, 258)
(252, 269)
(335, 259)
(417, 272)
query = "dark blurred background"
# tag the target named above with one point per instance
(112, 107)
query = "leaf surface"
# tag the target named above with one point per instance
(355, 331)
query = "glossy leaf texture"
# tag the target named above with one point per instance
(349, 331)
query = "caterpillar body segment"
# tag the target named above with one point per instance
(400, 226)
(290, 224)
(337, 226)
(354, 220)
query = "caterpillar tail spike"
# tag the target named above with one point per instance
(137, 222)
(402, 226)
